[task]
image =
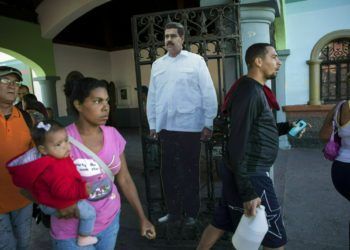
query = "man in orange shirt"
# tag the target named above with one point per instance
(15, 210)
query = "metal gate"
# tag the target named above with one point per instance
(214, 33)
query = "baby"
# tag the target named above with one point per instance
(50, 175)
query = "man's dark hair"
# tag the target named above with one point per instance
(174, 25)
(144, 89)
(39, 134)
(254, 51)
(80, 89)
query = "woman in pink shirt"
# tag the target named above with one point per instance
(89, 98)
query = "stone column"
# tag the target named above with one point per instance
(314, 72)
(281, 95)
(48, 91)
(255, 27)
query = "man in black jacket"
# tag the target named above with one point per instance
(251, 151)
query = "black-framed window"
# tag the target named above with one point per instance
(335, 71)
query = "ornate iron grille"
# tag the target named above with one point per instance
(336, 50)
(214, 33)
(335, 71)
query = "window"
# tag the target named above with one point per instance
(335, 71)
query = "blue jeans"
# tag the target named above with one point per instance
(106, 239)
(15, 229)
(87, 216)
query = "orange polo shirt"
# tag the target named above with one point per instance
(14, 140)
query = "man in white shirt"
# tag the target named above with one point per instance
(181, 106)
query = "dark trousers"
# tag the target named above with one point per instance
(180, 172)
(340, 178)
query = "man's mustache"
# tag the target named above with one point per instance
(170, 43)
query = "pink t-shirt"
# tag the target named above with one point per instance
(104, 196)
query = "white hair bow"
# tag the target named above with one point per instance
(44, 126)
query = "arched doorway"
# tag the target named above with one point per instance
(335, 71)
(29, 69)
(315, 61)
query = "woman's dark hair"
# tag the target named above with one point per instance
(40, 131)
(32, 103)
(254, 51)
(80, 89)
(174, 25)
(30, 99)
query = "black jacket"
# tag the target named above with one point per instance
(253, 141)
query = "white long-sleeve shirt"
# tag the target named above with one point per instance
(181, 95)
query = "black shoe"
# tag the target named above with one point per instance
(190, 221)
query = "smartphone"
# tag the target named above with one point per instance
(298, 128)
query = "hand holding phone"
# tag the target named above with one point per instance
(300, 125)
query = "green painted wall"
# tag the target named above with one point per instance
(280, 29)
(23, 41)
